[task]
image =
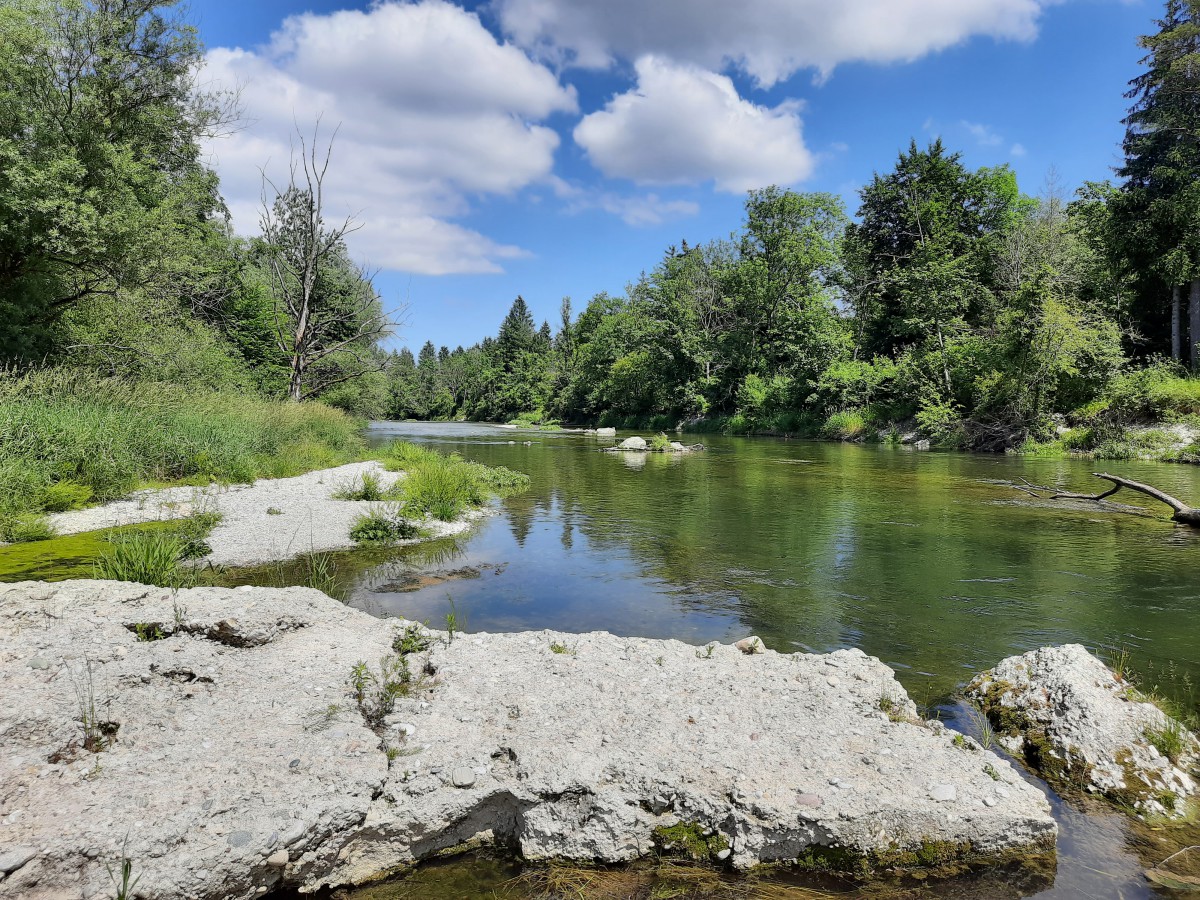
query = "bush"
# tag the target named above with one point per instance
(365, 487)
(1161, 391)
(659, 443)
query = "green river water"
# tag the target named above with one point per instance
(930, 561)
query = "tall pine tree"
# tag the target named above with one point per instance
(1159, 206)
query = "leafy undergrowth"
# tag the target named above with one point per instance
(444, 486)
(70, 438)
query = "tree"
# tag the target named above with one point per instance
(921, 257)
(328, 316)
(100, 124)
(1160, 203)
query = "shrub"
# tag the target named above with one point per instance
(23, 527)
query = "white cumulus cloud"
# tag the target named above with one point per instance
(768, 39)
(684, 125)
(430, 108)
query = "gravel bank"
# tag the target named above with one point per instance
(269, 520)
(238, 759)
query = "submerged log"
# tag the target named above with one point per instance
(1182, 513)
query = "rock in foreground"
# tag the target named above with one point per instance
(1080, 725)
(229, 753)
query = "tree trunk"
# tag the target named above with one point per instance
(1194, 325)
(1176, 324)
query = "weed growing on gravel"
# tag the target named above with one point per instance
(990, 771)
(376, 693)
(452, 623)
(126, 883)
(707, 652)
(382, 526)
(148, 631)
(365, 487)
(274, 511)
(1171, 740)
(96, 731)
(560, 648)
(413, 639)
(445, 487)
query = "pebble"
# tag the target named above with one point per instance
(944, 793)
(989, 801)
(240, 838)
(13, 858)
(278, 859)
(39, 662)
(294, 764)
(723, 854)
(463, 777)
(832, 681)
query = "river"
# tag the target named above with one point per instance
(930, 561)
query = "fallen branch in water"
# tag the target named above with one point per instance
(1183, 513)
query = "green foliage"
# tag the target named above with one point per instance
(146, 557)
(382, 526)
(69, 432)
(366, 486)
(846, 425)
(376, 692)
(1172, 740)
(445, 487)
(64, 495)
(413, 639)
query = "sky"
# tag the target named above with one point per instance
(555, 148)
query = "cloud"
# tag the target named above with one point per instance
(1017, 150)
(430, 109)
(684, 125)
(637, 211)
(768, 39)
(983, 134)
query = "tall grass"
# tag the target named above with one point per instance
(68, 437)
(445, 487)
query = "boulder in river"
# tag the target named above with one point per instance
(606, 432)
(633, 443)
(232, 741)
(1080, 725)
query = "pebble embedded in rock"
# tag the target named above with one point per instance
(240, 839)
(278, 859)
(944, 793)
(750, 645)
(810, 800)
(723, 854)
(463, 777)
(294, 764)
(39, 662)
(13, 858)
(989, 802)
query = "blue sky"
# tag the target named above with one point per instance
(555, 148)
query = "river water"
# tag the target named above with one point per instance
(930, 561)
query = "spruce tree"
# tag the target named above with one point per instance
(1159, 207)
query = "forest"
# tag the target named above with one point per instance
(951, 301)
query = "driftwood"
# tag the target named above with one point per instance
(1182, 513)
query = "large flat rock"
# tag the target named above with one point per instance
(241, 759)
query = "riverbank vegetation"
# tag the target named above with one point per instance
(954, 306)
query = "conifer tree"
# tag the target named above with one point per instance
(1159, 207)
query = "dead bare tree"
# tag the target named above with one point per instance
(327, 312)
(1182, 513)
